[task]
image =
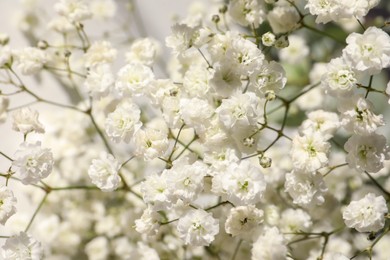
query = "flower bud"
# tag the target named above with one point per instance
(265, 162)
(268, 39)
(282, 42)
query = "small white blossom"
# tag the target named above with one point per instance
(151, 143)
(367, 153)
(368, 52)
(185, 180)
(367, 214)
(270, 77)
(270, 245)
(133, 79)
(197, 228)
(26, 121)
(309, 152)
(30, 60)
(100, 52)
(144, 51)
(155, 190)
(306, 189)
(5, 55)
(243, 183)
(242, 220)
(357, 115)
(148, 223)
(225, 80)
(104, 172)
(124, 122)
(283, 19)
(7, 204)
(321, 121)
(33, 162)
(239, 111)
(73, 10)
(99, 80)
(339, 79)
(295, 220)
(22, 246)
(182, 38)
(247, 12)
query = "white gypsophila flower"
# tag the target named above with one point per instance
(160, 89)
(244, 55)
(155, 191)
(243, 183)
(326, 11)
(196, 81)
(33, 162)
(368, 52)
(268, 39)
(270, 245)
(144, 51)
(73, 10)
(296, 51)
(151, 143)
(196, 113)
(225, 80)
(124, 122)
(306, 189)
(367, 153)
(26, 120)
(321, 121)
(270, 77)
(104, 172)
(336, 10)
(7, 204)
(61, 25)
(30, 60)
(283, 19)
(5, 55)
(133, 79)
(99, 80)
(295, 220)
(309, 152)
(239, 111)
(103, 8)
(357, 115)
(4, 103)
(339, 79)
(243, 220)
(97, 248)
(247, 12)
(367, 214)
(220, 45)
(185, 179)
(148, 223)
(197, 228)
(21, 246)
(171, 111)
(182, 38)
(99, 52)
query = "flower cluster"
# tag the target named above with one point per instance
(255, 139)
